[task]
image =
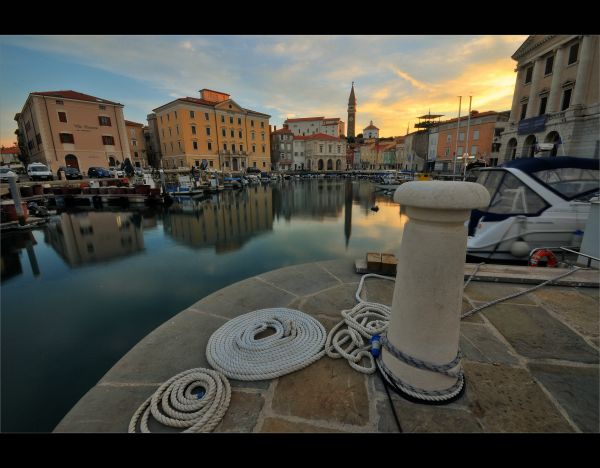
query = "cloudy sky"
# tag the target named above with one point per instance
(397, 78)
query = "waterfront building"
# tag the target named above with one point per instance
(282, 150)
(215, 129)
(371, 131)
(351, 113)
(137, 143)
(312, 125)
(324, 152)
(556, 103)
(476, 143)
(152, 142)
(69, 128)
(10, 156)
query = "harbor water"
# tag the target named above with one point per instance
(80, 292)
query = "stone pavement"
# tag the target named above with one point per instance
(531, 363)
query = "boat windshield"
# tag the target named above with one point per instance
(509, 195)
(570, 182)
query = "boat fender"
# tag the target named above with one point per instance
(551, 259)
(520, 248)
(376, 345)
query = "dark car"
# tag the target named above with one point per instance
(98, 172)
(71, 172)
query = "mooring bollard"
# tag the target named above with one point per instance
(420, 351)
(16, 196)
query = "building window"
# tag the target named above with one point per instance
(67, 138)
(230, 119)
(192, 115)
(104, 121)
(243, 164)
(254, 164)
(264, 165)
(133, 142)
(165, 146)
(262, 125)
(448, 138)
(549, 65)
(210, 163)
(573, 53)
(62, 116)
(253, 135)
(461, 136)
(528, 74)
(195, 144)
(209, 145)
(208, 130)
(254, 148)
(179, 145)
(320, 148)
(108, 140)
(339, 148)
(232, 133)
(252, 123)
(262, 135)
(222, 119)
(223, 132)
(163, 132)
(172, 149)
(239, 121)
(170, 133)
(241, 148)
(295, 153)
(447, 152)
(168, 120)
(566, 99)
(329, 148)
(473, 150)
(233, 148)
(225, 146)
(193, 129)
(240, 134)
(59, 102)
(135, 154)
(543, 103)
(206, 116)
(263, 148)
(459, 151)
(476, 134)
(175, 112)
(523, 110)
(177, 129)
(226, 163)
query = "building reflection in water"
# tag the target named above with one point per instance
(11, 246)
(225, 221)
(316, 199)
(89, 237)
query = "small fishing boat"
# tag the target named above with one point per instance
(534, 203)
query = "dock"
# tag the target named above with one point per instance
(531, 363)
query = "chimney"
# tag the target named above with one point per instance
(274, 128)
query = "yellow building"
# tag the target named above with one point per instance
(213, 128)
(137, 143)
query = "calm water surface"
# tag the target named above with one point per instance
(80, 293)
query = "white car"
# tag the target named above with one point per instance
(39, 171)
(116, 172)
(6, 172)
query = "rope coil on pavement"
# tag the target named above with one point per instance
(175, 404)
(235, 351)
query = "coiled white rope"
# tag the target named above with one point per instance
(297, 342)
(174, 404)
(363, 321)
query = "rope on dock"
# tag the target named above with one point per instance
(235, 351)
(177, 403)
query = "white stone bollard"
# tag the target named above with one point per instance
(425, 317)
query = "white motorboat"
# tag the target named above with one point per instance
(535, 203)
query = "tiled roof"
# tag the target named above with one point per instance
(213, 91)
(371, 127)
(281, 130)
(303, 119)
(198, 101)
(11, 150)
(135, 124)
(464, 118)
(204, 102)
(70, 94)
(317, 136)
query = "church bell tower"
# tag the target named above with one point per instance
(351, 113)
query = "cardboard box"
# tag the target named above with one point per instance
(374, 261)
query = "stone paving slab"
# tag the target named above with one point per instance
(328, 390)
(582, 314)
(304, 279)
(243, 297)
(106, 408)
(242, 414)
(575, 389)
(329, 303)
(535, 334)
(485, 292)
(343, 271)
(478, 344)
(507, 399)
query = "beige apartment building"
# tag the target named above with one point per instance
(213, 128)
(137, 143)
(68, 128)
(556, 102)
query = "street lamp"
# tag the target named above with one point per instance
(465, 157)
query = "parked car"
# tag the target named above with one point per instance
(98, 172)
(39, 171)
(5, 172)
(139, 172)
(70, 172)
(114, 172)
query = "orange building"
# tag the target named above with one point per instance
(453, 138)
(68, 128)
(213, 128)
(137, 143)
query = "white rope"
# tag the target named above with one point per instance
(297, 342)
(174, 404)
(365, 320)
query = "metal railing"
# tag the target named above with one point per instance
(561, 251)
